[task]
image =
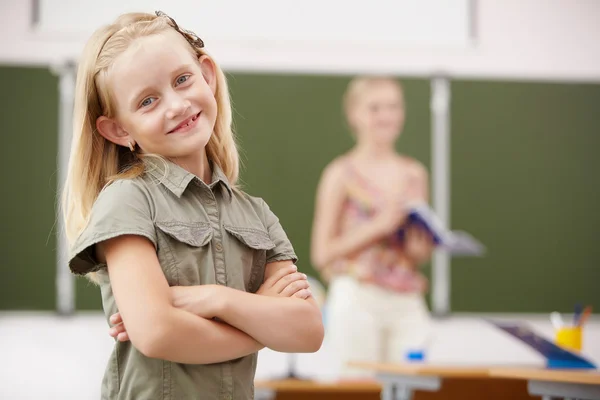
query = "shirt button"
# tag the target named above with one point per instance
(219, 247)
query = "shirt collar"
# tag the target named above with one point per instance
(177, 179)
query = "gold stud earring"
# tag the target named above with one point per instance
(131, 147)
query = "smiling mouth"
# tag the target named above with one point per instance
(191, 121)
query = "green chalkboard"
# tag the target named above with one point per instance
(525, 180)
(28, 119)
(523, 166)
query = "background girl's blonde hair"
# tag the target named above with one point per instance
(94, 161)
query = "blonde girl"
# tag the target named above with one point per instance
(196, 275)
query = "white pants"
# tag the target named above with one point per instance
(365, 322)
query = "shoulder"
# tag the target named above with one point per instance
(336, 171)
(338, 165)
(125, 193)
(412, 166)
(250, 209)
(245, 201)
(123, 207)
(125, 186)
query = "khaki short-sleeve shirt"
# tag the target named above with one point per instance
(203, 234)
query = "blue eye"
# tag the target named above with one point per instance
(182, 79)
(147, 101)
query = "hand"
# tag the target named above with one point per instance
(118, 331)
(202, 300)
(392, 216)
(286, 282)
(418, 245)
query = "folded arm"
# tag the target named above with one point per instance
(282, 315)
(282, 323)
(155, 326)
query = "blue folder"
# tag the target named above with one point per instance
(457, 243)
(556, 356)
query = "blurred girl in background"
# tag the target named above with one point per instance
(376, 308)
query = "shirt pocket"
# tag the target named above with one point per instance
(184, 252)
(251, 245)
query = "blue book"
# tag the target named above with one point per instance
(556, 356)
(457, 243)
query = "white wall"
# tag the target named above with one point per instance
(48, 357)
(515, 39)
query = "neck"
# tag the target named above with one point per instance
(197, 165)
(374, 151)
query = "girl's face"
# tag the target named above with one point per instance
(377, 115)
(163, 96)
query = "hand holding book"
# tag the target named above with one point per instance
(457, 243)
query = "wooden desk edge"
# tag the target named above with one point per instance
(443, 371)
(300, 385)
(583, 376)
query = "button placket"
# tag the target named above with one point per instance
(211, 207)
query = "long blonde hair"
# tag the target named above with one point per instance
(94, 161)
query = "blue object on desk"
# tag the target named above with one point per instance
(556, 356)
(415, 355)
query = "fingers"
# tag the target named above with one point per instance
(116, 330)
(119, 333)
(287, 280)
(116, 318)
(303, 294)
(418, 234)
(280, 273)
(294, 287)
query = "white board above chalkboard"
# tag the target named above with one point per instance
(407, 23)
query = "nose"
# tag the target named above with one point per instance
(178, 106)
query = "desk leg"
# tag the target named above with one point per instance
(404, 393)
(561, 390)
(401, 387)
(264, 394)
(388, 391)
(392, 392)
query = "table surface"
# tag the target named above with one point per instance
(301, 385)
(441, 370)
(583, 376)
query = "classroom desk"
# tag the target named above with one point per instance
(268, 389)
(550, 383)
(459, 383)
(399, 381)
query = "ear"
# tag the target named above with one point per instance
(209, 72)
(113, 132)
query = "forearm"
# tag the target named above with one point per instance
(347, 244)
(285, 324)
(187, 338)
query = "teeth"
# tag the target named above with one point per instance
(194, 118)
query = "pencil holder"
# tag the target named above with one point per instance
(569, 337)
